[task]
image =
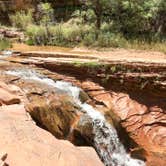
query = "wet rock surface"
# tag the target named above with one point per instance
(134, 105)
(51, 108)
(12, 34)
(21, 137)
(144, 124)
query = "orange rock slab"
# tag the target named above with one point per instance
(27, 144)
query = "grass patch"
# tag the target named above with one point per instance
(5, 44)
(87, 64)
(143, 45)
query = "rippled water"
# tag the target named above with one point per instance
(105, 135)
(5, 54)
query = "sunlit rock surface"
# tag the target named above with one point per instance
(146, 125)
(27, 144)
(138, 108)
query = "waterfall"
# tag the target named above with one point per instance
(113, 153)
(6, 53)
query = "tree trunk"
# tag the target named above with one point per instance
(98, 22)
(98, 12)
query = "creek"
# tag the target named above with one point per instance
(105, 140)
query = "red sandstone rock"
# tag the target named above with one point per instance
(146, 125)
(10, 33)
(26, 144)
(6, 96)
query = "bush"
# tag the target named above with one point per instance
(75, 33)
(72, 33)
(4, 44)
(105, 40)
(62, 34)
(116, 40)
(41, 35)
(89, 39)
(22, 19)
(37, 35)
(67, 34)
(56, 35)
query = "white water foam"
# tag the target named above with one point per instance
(113, 153)
(7, 53)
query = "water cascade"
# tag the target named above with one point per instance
(113, 153)
(6, 53)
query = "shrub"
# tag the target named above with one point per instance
(22, 19)
(89, 39)
(104, 40)
(72, 33)
(37, 35)
(41, 35)
(65, 34)
(56, 35)
(4, 44)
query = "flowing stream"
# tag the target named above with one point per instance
(105, 135)
(5, 54)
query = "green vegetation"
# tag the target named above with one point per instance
(88, 64)
(143, 45)
(22, 19)
(97, 23)
(4, 44)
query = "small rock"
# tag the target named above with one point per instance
(3, 156)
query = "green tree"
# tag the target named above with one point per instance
(46, 13)
(99, 7)
(159, 21)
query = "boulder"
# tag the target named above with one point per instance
(85, 128)
(12, 34)
(7, 96)
(55, 113)
(26, 144)
(22, 142)
(144, 123)
(83, 96)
